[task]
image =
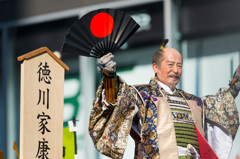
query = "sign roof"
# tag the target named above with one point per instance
(40, 51)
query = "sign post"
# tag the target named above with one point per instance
(42, 100)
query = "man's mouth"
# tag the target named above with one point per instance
(173, 76)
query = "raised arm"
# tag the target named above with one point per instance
(221, 116)
(113, 111)
(221, 107)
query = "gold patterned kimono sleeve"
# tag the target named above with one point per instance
(110, 125)
(221, 108)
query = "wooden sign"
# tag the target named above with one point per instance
(42, 100)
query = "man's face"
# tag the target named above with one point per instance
(170, 69)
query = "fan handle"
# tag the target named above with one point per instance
(110, 85)
(110, 92)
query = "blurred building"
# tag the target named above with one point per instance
(207, 33)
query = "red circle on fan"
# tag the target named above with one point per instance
(102, 25)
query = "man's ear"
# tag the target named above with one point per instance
(155, 67)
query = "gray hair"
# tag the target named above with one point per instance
(158, 58)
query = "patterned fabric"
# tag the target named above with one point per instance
(148, 148)
(186, 134)
(184, 117)
(109, 129)
(222, 109)
(183, 120)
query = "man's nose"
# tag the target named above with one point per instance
(175, 69)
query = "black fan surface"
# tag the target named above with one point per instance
(99, 32)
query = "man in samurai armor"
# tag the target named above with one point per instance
(164, 121)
